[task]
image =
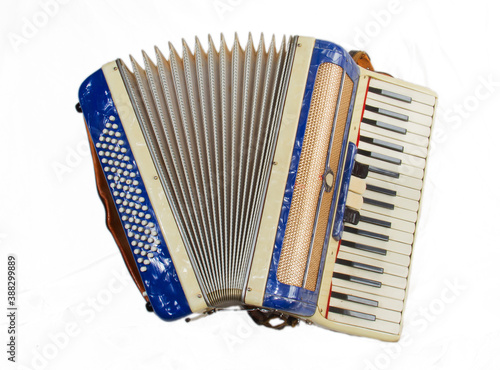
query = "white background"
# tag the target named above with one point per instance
(78, 308)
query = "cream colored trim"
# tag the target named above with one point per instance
(326, 280)
(154, 189)
(359, 104)
(279, 173)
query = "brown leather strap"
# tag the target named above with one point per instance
(362, 59)
(113, 220)
(264, 318)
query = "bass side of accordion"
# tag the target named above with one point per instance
(286, 180)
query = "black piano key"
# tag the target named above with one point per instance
(360, 266)
(381, 157)
(364, 266)
(359, 315)
(386, 158)
(360, 170)
(351, 216)
(366, 233)
(359, 280)
(374, 221)
(385, 126)
(378, 189)
(386, 144)
(364, 247)
(382, 171)
(378, 203)
(355, 299)
(366, 153)
(388, 113)
(382, 143)
(390, 94)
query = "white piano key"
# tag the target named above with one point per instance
(382, 144)
(401, 191)
(397, 212)
(389, 268)
(409, 137)
(408, 148)
(354, 201)
(353, 229)
(402, 169)
(379, 325)
(403, 157)
(412, 127)
(379, 313)
(413, 106)
(403, 180)
(396, 235)
(357, 185)
(409, 204)
(385, 279)
(390, 257)
(358, 265)
(402, 251)
(383, 302)
(396, 223)
(384, 290)
(412, 116)
(415, 95)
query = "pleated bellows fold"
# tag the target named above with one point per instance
(210, 122)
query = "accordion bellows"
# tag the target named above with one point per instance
(281, 178)
(210, 123)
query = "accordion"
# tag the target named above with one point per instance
(285, 180)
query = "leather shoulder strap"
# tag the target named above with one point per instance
(363, 60)
(265, 318)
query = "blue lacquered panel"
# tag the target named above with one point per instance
(299, 300)
(131, 200)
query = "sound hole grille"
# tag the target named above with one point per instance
(210, 122)
(300, 224)
(326, 200)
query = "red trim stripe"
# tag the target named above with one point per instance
(329, 297)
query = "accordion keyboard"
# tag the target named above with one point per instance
(371, 270)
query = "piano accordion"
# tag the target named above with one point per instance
(285, 179)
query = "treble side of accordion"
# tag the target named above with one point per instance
(229, 174)
(305, 180)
